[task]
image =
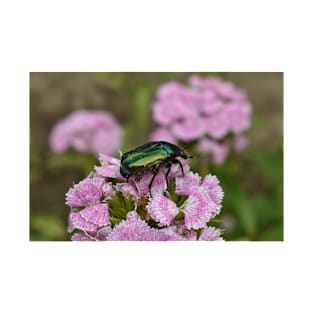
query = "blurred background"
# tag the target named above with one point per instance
(252, 179)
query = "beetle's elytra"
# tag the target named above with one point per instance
(150, 157)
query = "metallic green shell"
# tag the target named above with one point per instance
(146, 155)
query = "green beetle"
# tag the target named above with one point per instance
(150, 157)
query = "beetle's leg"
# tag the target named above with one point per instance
(176, 161)
(168, 171)
(155, 171)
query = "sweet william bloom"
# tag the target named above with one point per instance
(198, 209)
(210, 234)
(89, 191)
(162, 209)
(106, 207)
(87, 131)
(135, 229)
(90, 219)
(204, 109)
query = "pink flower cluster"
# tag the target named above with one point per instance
(206, 111)
(104, 207)
(87, 131)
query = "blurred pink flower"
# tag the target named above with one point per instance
(240, 143)
(217, 125)
(208, 108)
(238, 116)
(219, 151)
(188, 129)
(87, 131)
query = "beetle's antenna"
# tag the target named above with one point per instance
(120, 152)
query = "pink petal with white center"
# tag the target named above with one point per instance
(97, 214)
(132, 229)
(198, 209)
(76, 221)
(86, 192)
(212, 187)
(210, 234)
(109, 171)
(127, 189)
(90, 218)
(162, 209)
(108, 159)
(135, 229)
(185, 184)
(108, 190)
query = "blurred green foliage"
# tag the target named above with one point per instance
(252, 179)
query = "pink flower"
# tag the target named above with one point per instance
(90, 219)
(198, 209)
(189, 129)
(88, 192)
(162, 209)
(212, 187)
(238, 116)
(105, 207)
(135, 229)
(109, 171)
(217, 125)
(87, 131)
(170, 90)
(142, 183)
(210, 234)
(204, 198)
(219, 151)
(186, 183)
(206, 109)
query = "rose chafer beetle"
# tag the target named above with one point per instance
(150, 157)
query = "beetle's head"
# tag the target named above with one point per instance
(184, 155)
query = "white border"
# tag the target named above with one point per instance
(155, 36)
